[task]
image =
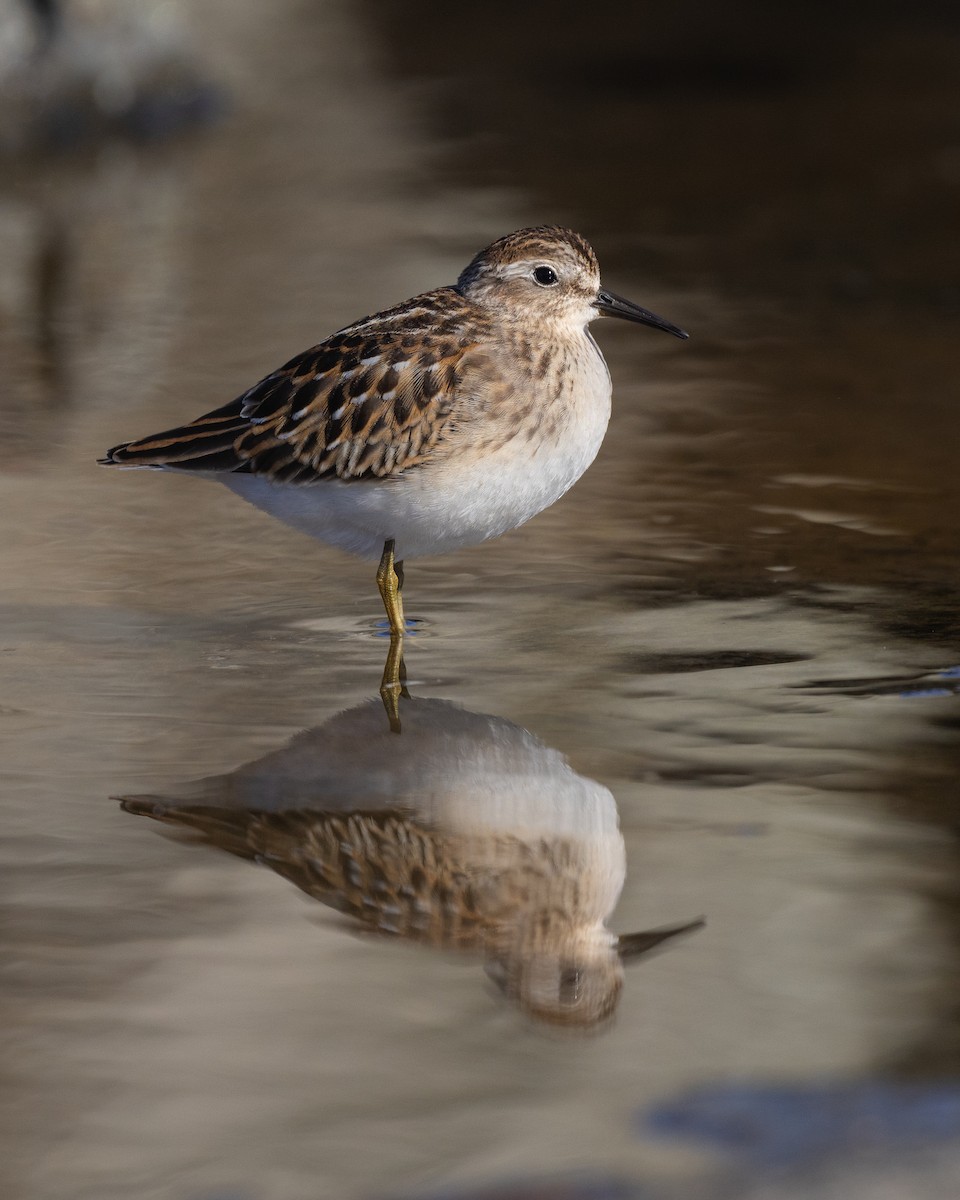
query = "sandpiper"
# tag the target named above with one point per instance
(436, 424)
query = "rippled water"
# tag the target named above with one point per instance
(740, 629)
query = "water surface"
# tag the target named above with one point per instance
(742, 625)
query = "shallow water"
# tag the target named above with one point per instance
(743, 624)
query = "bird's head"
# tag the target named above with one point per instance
(549, 274)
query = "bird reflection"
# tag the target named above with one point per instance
(464, 833)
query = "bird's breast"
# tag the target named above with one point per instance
(524, 447)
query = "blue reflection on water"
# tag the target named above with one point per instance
(776, 1125)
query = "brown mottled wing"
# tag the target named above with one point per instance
(393, 875)
(369, 402)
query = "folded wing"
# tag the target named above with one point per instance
(371, 401)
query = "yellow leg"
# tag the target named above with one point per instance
(392, 686)
(390, 581)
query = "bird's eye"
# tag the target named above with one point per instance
(545, 276)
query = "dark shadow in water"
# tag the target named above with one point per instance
(464, 833)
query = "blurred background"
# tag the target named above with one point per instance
(743, 624)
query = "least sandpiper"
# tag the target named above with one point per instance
(439, 423)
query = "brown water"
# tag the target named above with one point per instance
(744, 622)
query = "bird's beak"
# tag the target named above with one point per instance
(615, 306)
(633, 945)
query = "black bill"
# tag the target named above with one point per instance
(615, 306)
(633, 945)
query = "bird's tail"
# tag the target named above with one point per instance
(206, 444)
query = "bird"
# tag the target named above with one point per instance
(479, 838)
(446, 420)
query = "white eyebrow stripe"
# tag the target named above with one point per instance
(526, 265)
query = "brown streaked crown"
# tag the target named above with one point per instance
(538, 242)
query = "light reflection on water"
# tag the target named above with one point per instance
(742, 623)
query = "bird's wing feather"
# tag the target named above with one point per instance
(390, 872)
(369, 402)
